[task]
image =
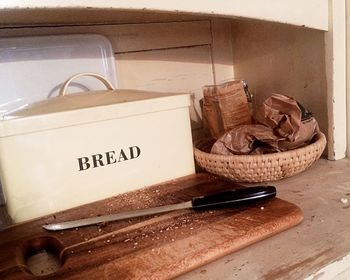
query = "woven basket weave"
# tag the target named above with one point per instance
(259, 168)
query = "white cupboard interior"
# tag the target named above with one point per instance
(181, 52)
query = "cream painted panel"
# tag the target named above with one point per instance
(128, 38)
(132, 37)
(172, 70)
(311, 13)
(222, 50)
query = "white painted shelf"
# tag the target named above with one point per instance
(309, 13)
(318, 248)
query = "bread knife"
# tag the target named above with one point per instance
(230, 198)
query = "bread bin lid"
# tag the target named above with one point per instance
(85, 107)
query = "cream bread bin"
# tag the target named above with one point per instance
(78, 148)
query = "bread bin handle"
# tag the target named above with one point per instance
(65, 85)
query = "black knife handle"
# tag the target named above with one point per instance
(234, 197)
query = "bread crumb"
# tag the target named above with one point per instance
(344, 200)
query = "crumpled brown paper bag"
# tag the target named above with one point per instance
(283, 124)
(245, 139)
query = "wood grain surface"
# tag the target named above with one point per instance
(155, 247)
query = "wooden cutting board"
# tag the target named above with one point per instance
(157, 247)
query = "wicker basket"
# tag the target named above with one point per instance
(259, 168)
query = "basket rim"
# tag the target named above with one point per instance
(321, 141)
